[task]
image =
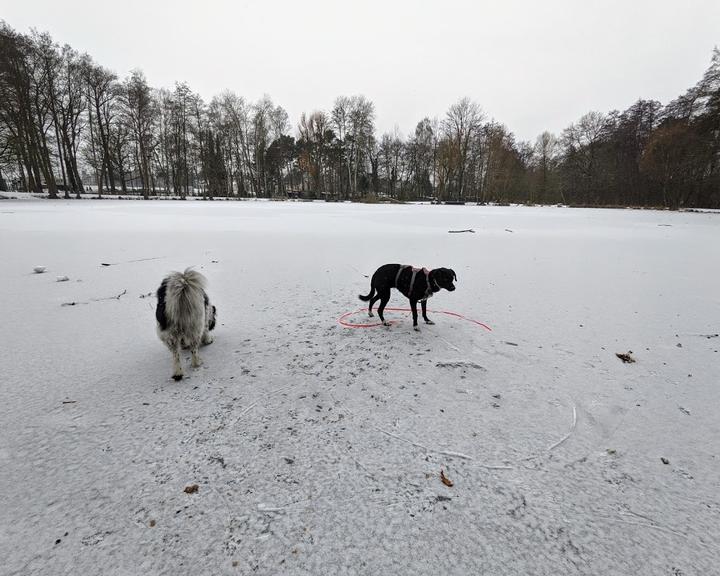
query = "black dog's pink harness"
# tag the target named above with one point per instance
(428, 292)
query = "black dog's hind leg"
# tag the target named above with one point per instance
(372, 298)
(424, 312)
(384, 299)
(372, 303)
(413, 305)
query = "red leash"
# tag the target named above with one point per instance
(342, 321)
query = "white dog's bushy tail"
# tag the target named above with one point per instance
(185, 300)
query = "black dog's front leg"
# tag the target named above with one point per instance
(413, 305)
(423, 303)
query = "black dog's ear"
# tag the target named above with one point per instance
(453, 273)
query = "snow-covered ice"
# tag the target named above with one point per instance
(318, 449)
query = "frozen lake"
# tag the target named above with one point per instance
(317, 449)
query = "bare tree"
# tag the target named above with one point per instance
(103, 96)
(24, 109)
(361, 129)
(422, 150)
(314, 138)
(581, 143)
(545, 153)
(141, 112)
(461, 125)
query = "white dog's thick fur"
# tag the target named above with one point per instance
(184, 316)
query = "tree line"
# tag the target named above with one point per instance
(67, 123)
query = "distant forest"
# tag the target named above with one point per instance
(67, 123)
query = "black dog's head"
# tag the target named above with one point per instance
(444, 278)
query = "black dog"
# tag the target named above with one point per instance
(417, 284)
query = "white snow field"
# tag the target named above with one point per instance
(317, 449)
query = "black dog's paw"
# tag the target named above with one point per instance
(386, 323)
(371, 314)
(429, 322)
(416, 328)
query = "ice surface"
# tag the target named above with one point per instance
(317, 449)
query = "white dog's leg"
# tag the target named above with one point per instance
(196, 360)
(177, 365)
(207, 338)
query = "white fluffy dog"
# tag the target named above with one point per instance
(184, 316)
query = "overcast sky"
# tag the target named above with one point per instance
(533, 66)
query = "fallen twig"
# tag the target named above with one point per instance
(131, 261)
(96, 299)
(358, 271)
(633, 513)
(451, 346)
(461, 231)
(460, 364)
(444, 452)
(111, 297)
(572, 429)
(266, 396)
(643, 524)
(422, 447)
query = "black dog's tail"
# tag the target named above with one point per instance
(367, 298)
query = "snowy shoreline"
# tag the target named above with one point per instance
(198, 198)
